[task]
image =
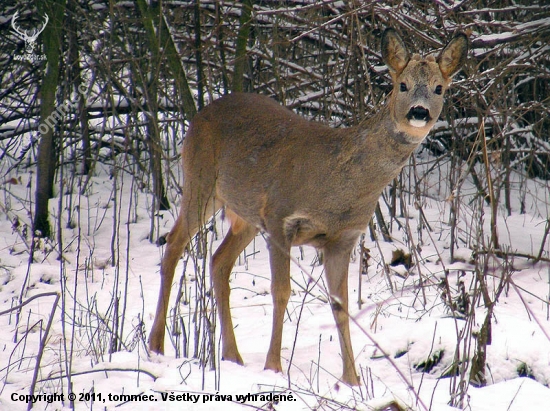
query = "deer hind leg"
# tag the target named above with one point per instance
(194, 212)
(279, 259)
(239, 236)
(336, 271)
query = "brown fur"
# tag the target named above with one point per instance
(301, 183)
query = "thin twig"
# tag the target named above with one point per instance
(41, 349)
(30, 299)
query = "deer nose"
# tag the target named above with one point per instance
(418, 113)
(421, 92)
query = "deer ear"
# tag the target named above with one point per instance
(453, 56)
(394, 51)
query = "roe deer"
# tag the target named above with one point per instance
(300, 182)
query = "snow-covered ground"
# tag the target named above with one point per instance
(410, 324)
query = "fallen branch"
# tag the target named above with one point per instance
(75, 374)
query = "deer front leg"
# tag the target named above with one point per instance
(194, 211)
(279, 258)
(223, 261)
(336, 271)
(176, 240)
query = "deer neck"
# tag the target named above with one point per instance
(386, 142)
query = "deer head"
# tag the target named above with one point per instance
(419, 84)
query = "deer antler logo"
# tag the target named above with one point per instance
(29, 37)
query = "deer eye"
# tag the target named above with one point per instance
(403, 87)
(439, 90)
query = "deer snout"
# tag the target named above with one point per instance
(418, 116)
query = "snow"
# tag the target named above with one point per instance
(410, 326)
(515, 395)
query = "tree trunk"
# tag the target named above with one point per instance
(149, 16)
(46, 158)
(153, 132)
(198, 55)
(78, 86)
(242, 41)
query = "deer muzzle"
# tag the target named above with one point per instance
(418, 116)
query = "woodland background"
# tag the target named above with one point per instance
(149, 66)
